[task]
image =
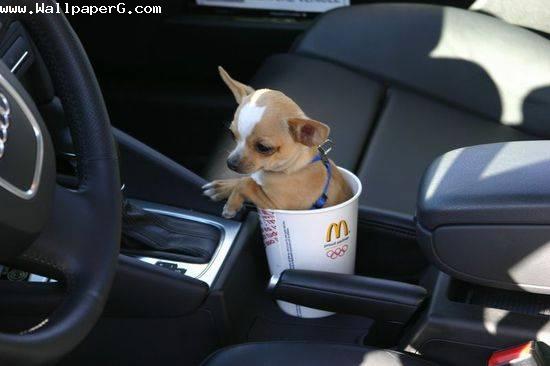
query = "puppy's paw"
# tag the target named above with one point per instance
(219, 189)
(228, 212)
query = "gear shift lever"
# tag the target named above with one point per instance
(150, 234)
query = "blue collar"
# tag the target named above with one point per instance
(322, 200)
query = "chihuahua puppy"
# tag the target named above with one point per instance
(277, 146)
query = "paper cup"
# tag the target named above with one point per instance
(321, 240)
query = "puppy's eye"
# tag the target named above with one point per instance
(264, 149)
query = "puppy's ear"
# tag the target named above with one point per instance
(238, 89)
(308, 131)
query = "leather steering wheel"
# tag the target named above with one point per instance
(46, 228)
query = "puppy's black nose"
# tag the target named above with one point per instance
(232, 164)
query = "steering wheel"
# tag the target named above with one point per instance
(46, 228)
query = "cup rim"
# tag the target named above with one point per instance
(326, 209)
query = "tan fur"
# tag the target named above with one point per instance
(288, 179)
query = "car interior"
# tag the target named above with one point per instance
(112, 255)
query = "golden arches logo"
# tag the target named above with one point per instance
(337, 228)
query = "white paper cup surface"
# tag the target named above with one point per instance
(323, 240)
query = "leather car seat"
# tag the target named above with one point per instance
(303, 354)
(401, 84)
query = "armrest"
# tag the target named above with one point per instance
(379, 299)
(483, 215)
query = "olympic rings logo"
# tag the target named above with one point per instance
(338, 252)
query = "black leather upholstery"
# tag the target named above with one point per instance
(411, 132)
(401, 84)
(454, 55)
(506, 183)
(304, 354)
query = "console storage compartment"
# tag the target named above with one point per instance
(465, 323)
(483, 215)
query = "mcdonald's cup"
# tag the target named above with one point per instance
(321, 240)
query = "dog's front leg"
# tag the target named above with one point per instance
(246, 190)
(220, 189)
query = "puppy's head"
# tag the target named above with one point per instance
(270, 130)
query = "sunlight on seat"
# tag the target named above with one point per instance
(513, 82)
(492, 318)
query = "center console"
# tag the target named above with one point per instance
(205, 272)
(165, 202)
(232, 285)
(483, 219)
